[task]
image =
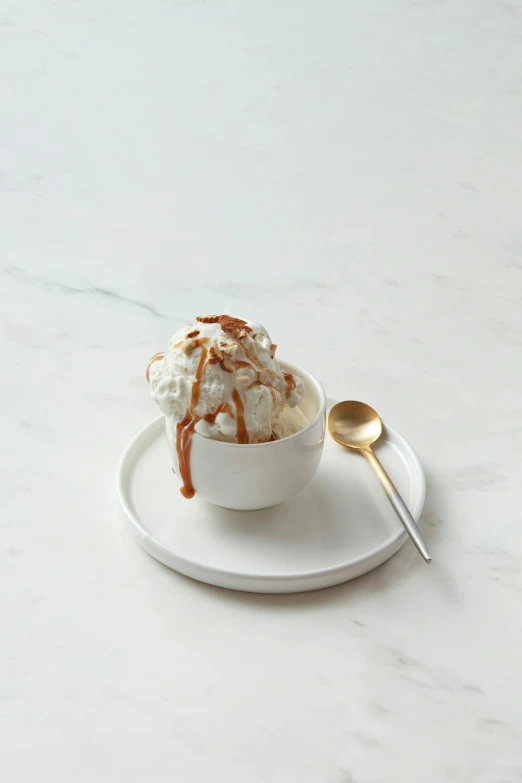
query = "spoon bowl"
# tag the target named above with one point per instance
(354, 424)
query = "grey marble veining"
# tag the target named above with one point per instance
(350, 175)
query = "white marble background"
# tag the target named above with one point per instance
(348, 173)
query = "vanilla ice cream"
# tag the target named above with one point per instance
(220, 378)
(288, 421)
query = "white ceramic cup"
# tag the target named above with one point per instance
(258, 475)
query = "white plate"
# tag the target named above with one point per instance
(339, 527)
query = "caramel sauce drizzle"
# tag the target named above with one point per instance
(155, 358)
(196, 386)
(290, 383)
(185, 428)
(223, 408)
(242, 432)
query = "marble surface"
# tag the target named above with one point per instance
(349, 174)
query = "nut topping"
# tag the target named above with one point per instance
(230, 324)
(208, 319)
(214, 355)
(227, 364)
(231, 349)
(290, 383)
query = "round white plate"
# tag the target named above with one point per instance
(339, 527)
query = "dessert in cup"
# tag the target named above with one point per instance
(244, 430)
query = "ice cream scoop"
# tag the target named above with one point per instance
(220, 378)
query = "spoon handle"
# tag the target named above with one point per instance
(398, 504)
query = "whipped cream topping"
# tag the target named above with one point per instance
(238, 365)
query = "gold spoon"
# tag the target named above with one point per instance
(356, 426)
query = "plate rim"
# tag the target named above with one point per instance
(219, 575)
